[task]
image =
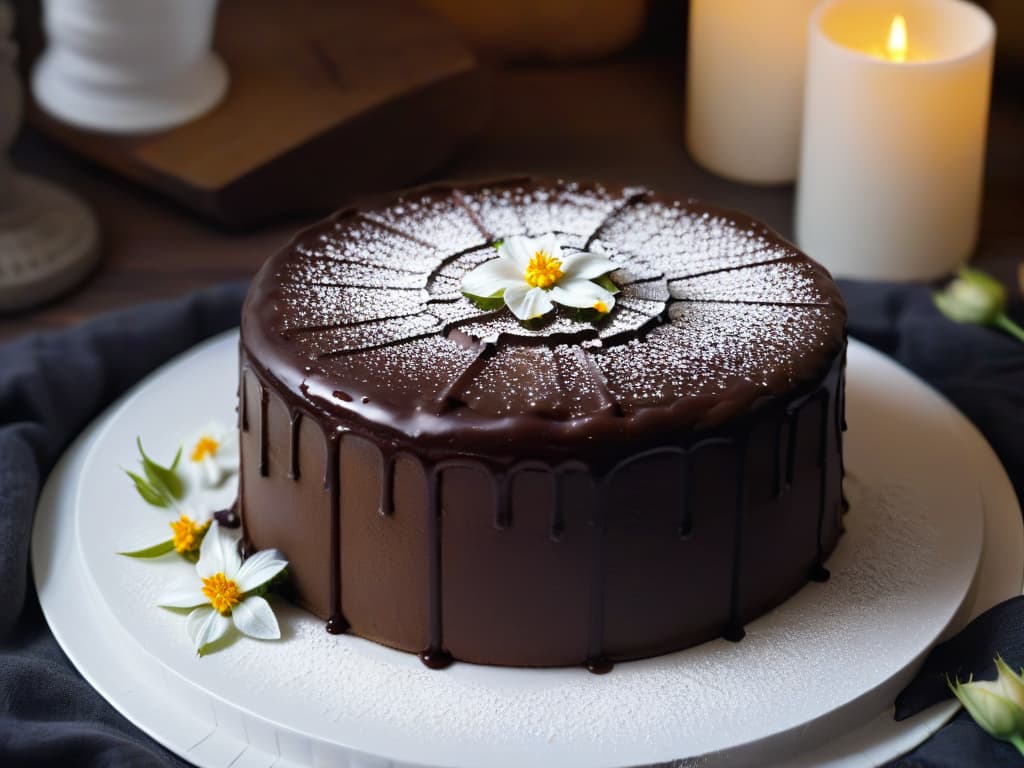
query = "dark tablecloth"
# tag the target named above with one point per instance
(52, 385)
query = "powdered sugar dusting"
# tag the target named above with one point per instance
(632, 227)
(709, 347)
(564, 210)
(705, 301)
(435, 217)
(521, 379)
(326, 271)
(365, 336)
(494, 207)
(410, 364)
(528, 209)
(364, 242)
(504, 324)
(447, 281)
(680, 242)
(346, 305)
(576, 380)
(786, 282)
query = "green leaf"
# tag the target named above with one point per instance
(162, 478)
(488, 303)
(498, 244)
(606, 282)
(148, 493)
(588, 315)
(155, 551)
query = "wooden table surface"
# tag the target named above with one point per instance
(619, 120)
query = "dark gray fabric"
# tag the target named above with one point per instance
(52, 385)
(982, 372)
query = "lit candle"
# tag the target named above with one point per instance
(744, 86)
(895, 117)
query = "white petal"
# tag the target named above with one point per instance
(196, 514)
(259, 569)
(527, 303)
(214, 430)
(586, 266)
(254, 617)
(205, 626)
(991, 711)
(518, 249)
(229, 441)
(227, 457)
(582, 294)
(210, 472)
(1010, 683)
(184, 593)
(492, 276)
(228, 463)
(549, 244)
(218, 554)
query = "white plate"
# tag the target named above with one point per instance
(828, 662)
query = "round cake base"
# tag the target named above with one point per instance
(812, 683)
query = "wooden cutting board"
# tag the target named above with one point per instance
(327, 100)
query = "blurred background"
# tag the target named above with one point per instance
(325, 101)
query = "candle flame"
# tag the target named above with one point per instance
(896, 48)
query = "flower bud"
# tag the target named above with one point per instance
(1010, 683)
(996, 705)
(972, 297)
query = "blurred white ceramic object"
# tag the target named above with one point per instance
(745, 87)
(48, 237)
(129, 66)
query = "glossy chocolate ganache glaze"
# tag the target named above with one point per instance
(450, 481)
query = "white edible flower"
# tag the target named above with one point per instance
(531, 275)
(213, 454)
(996, 705)
(187, 533)
(222, 591)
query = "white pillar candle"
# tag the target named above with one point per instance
(744, 87)
(895, 117)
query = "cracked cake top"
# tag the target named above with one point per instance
(363, 317)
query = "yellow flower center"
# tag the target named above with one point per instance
(223, 592)
(601, 307)
(543, 270)
(206, 446)
(187, 533)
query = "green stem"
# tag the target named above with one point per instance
(1004, 322)
(1018, 742)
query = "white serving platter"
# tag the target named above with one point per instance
(934, 536)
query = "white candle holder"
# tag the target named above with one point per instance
(128, 66)
(48, 238)
(744, 87)
(893, 151)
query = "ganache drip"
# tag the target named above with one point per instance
(503, 486)
(228, 518)
(436, 659)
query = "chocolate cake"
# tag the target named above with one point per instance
(582, 488)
